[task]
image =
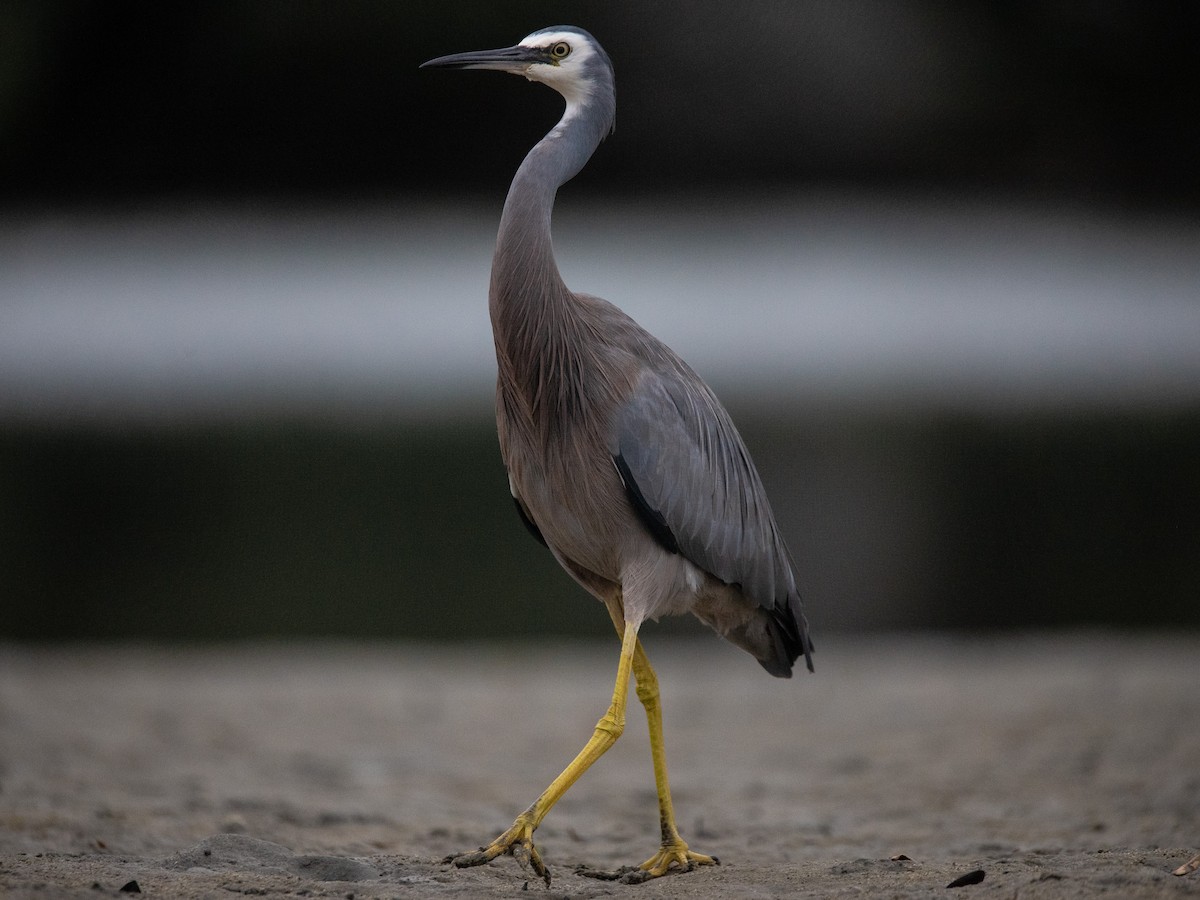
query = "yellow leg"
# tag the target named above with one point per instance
(674, 852)
(518, 840)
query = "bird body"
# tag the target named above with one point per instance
(570, 440)
(619, 456)
(577, 499)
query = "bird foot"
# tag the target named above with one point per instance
(672, 857)
(675, 857)
(516, 842)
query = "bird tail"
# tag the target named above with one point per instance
(775, 637)
(788, 631)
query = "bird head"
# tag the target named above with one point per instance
(564, 57)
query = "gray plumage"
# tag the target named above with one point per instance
(619, 457)
(618, 454)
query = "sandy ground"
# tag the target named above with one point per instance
(1061, 766)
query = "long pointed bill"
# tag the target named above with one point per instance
(509, 59)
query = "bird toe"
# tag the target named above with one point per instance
(675, 857)
(516, 842)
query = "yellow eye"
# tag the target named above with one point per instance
(561, 50)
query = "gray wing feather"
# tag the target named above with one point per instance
(691, 468)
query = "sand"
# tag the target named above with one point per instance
(1059, 765)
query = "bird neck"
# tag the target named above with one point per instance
(524, 257)
(534, 314)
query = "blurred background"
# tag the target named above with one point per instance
(942, 261)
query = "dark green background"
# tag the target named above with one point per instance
(405, 530)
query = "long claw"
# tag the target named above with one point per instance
(527, 855)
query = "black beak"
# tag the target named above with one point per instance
(509, 59)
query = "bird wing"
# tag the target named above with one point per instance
(691, 479)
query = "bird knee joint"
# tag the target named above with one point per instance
(611, 726)
(647, 691)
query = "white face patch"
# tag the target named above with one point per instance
(568, 76)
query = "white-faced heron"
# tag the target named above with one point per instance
(620, 458)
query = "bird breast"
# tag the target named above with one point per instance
(570, 489)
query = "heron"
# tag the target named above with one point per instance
(620, 459)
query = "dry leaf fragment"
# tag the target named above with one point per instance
(973, 877)
(1189, 867)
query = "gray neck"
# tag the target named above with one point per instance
(523, 267)
(534, 315)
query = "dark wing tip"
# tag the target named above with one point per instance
(806, 645)
(779, 638)
(790, 629)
